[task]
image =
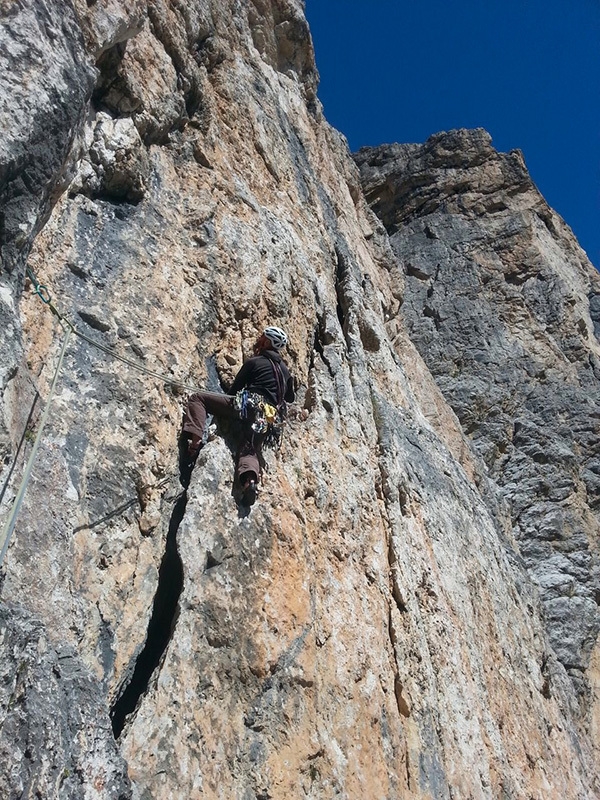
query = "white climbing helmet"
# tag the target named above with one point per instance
(276, 336)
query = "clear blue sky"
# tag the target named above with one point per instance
(526, 70)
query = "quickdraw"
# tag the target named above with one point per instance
(265, 419)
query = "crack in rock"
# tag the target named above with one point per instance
(160, 627)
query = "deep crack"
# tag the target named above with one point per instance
(341, 272)
(160, 627)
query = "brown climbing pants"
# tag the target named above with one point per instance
(221, 405)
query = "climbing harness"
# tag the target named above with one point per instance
(9, 525)
(265, 419)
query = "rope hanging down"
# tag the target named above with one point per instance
(9, 525)
(42, 291)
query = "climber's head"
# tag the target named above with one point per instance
(272, 338)
(276, 337)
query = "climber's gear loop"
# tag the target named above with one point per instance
(265, 419)
(248, 403)
(240, 403)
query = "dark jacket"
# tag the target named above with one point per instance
(267, 375)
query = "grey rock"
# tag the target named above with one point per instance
(46, 81)
(54, 725)
(368, 627)
(501, 303)
(117, 165)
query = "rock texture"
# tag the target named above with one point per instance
(46, 81)
(368, 629)
(56, 731)
(502, 304)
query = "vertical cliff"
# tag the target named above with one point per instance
(503, 305)
(369, 628)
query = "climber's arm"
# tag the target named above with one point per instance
(242, 378)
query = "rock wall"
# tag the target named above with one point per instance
(502, 304)
(368, 629)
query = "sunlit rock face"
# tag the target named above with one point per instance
(503, 306)
(46, 81)
(368, 628)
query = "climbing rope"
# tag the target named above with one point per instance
(43, 293)
(9, 525)
(21, 443)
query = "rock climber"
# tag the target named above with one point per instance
(257, 396)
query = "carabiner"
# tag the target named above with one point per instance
(43, 293)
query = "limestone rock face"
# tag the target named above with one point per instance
(502, 304)
(55, 729)
(46, 82)
(368, 628)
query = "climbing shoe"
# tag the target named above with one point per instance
(249, 492)
(193, 447)
(187, 458)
